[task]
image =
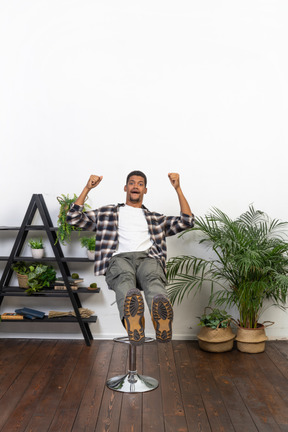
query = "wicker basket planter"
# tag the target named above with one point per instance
(216, 340)
(251, 340)
(22, 280)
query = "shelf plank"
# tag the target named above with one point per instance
(68, 319)
(15, 291)
(47, 259)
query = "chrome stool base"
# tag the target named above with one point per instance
(132, 382)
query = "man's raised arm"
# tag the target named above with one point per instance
(93, 181)
(175, 181)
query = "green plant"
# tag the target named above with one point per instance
(36, 244)
(21, 267)
(249, 265)
(64, 229)
(88, 243)
(39, 275)
(217, 318)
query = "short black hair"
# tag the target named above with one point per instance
(137, 173)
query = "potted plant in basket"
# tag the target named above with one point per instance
(89, 244)
(37, 276)
(249, 269)
(216, 334)
(37, 248)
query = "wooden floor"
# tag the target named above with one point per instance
(48, 385)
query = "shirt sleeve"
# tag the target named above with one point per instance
(86, 220)
(176, 224)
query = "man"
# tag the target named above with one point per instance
(131, 252)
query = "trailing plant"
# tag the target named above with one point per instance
(88, 243)
(249, 267)
(64, 229)
(36, 244)
(217, 318)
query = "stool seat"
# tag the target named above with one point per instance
(132, 382)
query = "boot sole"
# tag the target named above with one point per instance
(134, 317)
(162, 317)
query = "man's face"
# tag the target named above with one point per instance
(135, 190)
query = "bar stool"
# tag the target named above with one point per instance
(132, 382)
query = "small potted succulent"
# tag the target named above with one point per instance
(216, 334)
(89, 244)
(37, 248)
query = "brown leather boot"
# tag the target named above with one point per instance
(162, 317)
(134, 316)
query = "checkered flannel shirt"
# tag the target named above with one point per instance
(105, 222)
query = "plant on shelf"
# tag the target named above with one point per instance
(249, 267)
(64, 229)
(216, 334)
(37, 247)
(89, 244)
(38, 276)
(36, 243)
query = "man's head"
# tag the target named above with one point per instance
(135, 188)
(137, 173)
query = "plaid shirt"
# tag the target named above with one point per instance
(105, 222)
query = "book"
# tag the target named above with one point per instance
(30, 313)
(11, 316)
(60, 280)
(63, 287)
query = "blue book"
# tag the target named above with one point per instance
(30, 313)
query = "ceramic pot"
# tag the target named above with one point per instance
(91, 255)
(37, 253)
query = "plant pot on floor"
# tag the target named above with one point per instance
(251, 340)
(216, 340)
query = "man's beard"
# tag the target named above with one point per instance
(135, 200)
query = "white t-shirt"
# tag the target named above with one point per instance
(133, 234)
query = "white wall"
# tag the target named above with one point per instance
(105, 87)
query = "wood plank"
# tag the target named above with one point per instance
(239, 370)
(217, 413)
(236, 408)
(90, 404)
(110, 410)
(152, 401)
(194, 408)
(131, 411)
(63, 364)
(68, 407)
(18, 402)
(173, 409)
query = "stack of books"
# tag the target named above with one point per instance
(60, 284)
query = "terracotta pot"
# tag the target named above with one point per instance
(216, 340)
(251, 340)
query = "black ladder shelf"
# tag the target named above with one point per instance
(37, 203)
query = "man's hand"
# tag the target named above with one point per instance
(93, 181)
(174, 179)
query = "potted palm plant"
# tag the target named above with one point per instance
(248, 269)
